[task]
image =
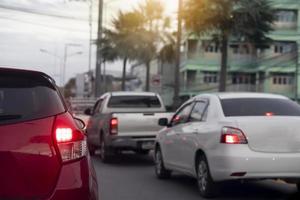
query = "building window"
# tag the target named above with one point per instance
(286, 16)
(191, 77)
(235, 50)
(211, 47)
(240, 49)
(284, 47)
(240, 78)
(283, 79)
(210, 77)
(192, 46)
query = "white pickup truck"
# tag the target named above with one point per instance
(124, 121)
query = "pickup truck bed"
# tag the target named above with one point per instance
(137, 131)
(139, 124)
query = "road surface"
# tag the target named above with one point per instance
(131, 177)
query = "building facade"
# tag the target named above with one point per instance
(273, 69)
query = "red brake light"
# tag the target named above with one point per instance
(63, 135)
(269, 114)
(114, 126)
(233, 136)
(69, 139)
(177, 118)
(231, 139)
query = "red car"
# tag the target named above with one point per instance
(43, 152)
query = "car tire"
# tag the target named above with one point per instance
(91, 149)
(104, 154)
(207, 187)
(160, 170)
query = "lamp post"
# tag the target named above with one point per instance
(98, 88)
(91, 33)
(297, 71)
(63, 59)
(66, 57)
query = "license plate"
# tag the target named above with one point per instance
(147, 145)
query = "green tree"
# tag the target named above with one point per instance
(150, 34)
(120, 41)
(70, 88)
(167, 53)
(246, 21)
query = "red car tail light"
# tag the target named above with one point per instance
(69, 139)
(114, 126)
(233, 136)
(63, 135)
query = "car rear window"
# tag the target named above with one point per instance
(134, 102)
(25, 98)
(259, 107)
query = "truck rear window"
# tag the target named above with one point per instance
(259, 107)
(134, 102)
(25, 98)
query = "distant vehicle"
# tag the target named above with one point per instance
(231, 136)
(43, 150)
(125, 121)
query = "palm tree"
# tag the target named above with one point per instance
(247, 21)
(167, 53)
(121, 39)
(152, 10)
(109, 51)
(150, 35)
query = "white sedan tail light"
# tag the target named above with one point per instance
(233, 136)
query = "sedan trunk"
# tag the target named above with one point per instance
(274, 134)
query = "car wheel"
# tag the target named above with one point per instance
(104, 156)
(206, 185)
(92, 149)
(160, 170)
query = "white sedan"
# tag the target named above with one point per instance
(231, 136)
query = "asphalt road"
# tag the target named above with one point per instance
(131, 177)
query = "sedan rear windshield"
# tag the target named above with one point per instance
(259, 107)
(134, 102)
(25, 98)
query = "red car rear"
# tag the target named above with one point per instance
(43, 153)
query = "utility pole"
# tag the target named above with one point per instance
(66, 55)
(98, 82)
(297, 71)
(91, 34)
(178, 55)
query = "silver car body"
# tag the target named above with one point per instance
(137, 127)
(273, 149)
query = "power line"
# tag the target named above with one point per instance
(36, 12)
(43, 25)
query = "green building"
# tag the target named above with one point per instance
(272, 69)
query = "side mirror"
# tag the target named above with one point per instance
(88, 111)
(80, 123)
(163, 122)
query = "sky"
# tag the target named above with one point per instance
(27, 26)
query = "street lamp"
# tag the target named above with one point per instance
(66, 57)
(63, 60)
